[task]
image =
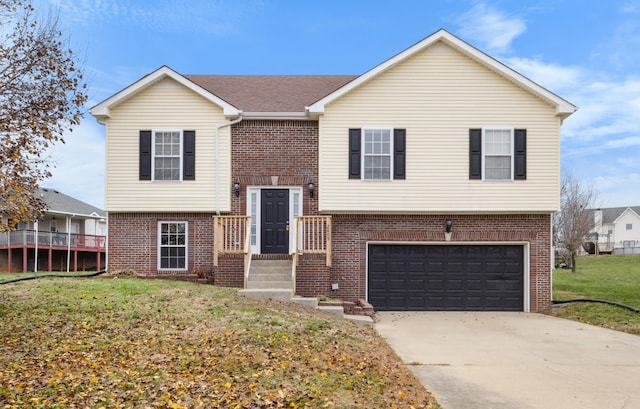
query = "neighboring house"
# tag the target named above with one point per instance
(427, 183)
(617, 229)
(70, 236)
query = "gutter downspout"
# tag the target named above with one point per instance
(217, 140)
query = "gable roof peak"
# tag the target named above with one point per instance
(103, 110)
(563, 107)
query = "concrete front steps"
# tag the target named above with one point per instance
(271, 280)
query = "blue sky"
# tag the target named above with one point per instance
(584, 50)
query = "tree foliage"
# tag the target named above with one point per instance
(41, 97)
(574, 220)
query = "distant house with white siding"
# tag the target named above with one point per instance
(70, 236)
(426, 183)
(617, 229)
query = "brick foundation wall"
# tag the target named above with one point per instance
(352, 232)
(313, 277)
(133, 242)
(230, 271)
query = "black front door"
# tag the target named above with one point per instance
(274, 232)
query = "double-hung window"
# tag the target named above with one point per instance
(498, 154)
(377, 148)
(377, 153)
(172, 245)
(167, 155)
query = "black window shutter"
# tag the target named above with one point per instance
(475, 153)
(520, 154)
(354, 153)
(189, 155)
(145, 155)
(399, 153)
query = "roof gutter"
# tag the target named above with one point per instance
(277, 115)
(62, 213)
(217, 141)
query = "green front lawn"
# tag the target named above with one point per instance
(606, 277)
(126, 342)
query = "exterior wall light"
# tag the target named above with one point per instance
(448, 226)
(311, 187)
(236, 188)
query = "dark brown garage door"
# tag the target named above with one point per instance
(446, 277)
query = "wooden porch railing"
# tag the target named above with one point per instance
(312, 235)
(46, 239)
(232, 235)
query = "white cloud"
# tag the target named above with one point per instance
(168, 16)
(491, 27)
(552, 76)
(617, 190)
(608, 108)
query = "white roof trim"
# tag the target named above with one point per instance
(102, 110)
(276, 115)
(563, 107)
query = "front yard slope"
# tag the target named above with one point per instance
(116, 343)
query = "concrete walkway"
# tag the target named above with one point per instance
(516, 360)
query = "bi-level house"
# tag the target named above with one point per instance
(426, 183)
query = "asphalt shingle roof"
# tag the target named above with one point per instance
(610, 214)
(59, 202)
(271, 93)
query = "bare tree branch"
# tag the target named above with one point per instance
(574, 221)
(41, 97)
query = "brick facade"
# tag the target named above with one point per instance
(288, 150)
(133, 242)
(351, 233)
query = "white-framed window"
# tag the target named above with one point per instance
(497, 155)
(629, 226)
(172, 245)
(53, 225)
(167, 155)
(253, 212)
(377, 153)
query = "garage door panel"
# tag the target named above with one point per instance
(435, 285)
(415, 266)
(454, 285)
(475, 303)
(474, 285)
(446, 277)
(513, 285)
(455, 251)
(434, 252)
(395, 284)
(377, 266)
(396, 266)
(454, 303)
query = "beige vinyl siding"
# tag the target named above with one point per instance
(437, 96)
(165, 105)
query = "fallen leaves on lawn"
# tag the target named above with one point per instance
(188, 347)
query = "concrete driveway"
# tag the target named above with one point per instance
(516, 360)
